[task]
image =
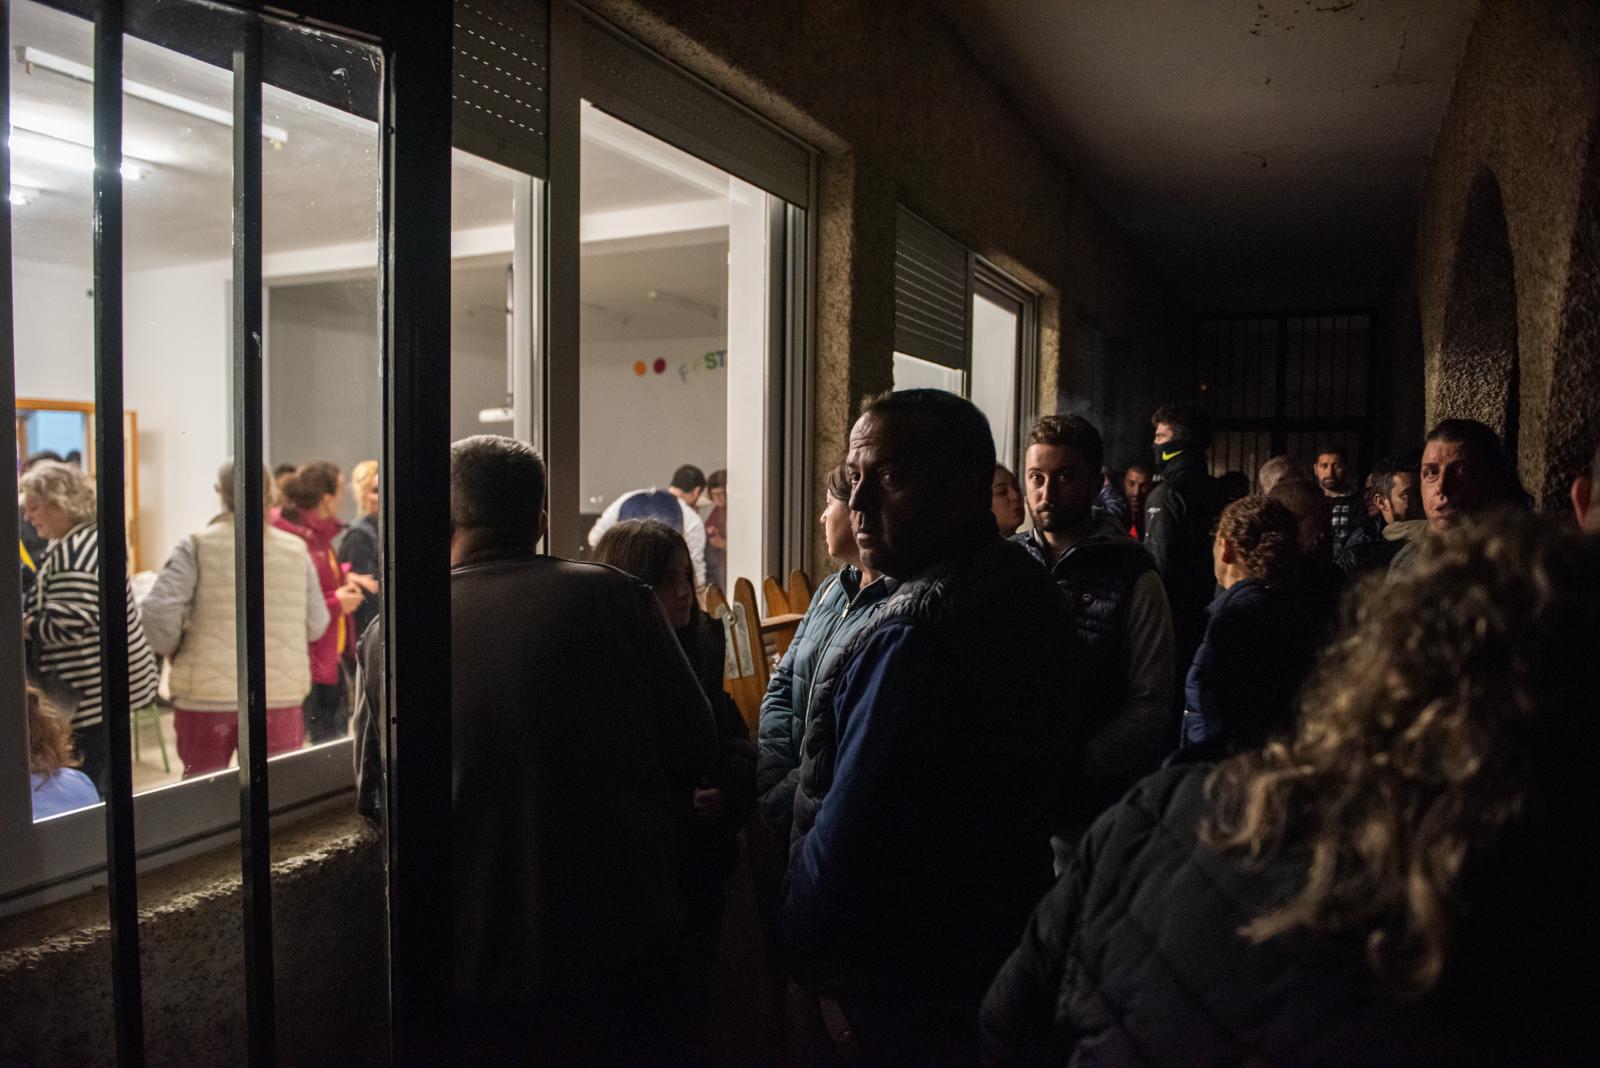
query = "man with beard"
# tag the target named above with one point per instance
(1178, 522)
(1120, 668)
(1394, 485)
(1333, 474)
(1137, 482)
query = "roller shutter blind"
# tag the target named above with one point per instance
(932, 293)
(501, 83)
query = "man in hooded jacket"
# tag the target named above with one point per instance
(1178, 520)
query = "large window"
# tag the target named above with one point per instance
(963, 325)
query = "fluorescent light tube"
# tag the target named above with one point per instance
(43, 148)
(140, 91)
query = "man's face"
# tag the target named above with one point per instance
(1330, 472)
(1061, 486)
(1136, 487)
(1454, 484)
(692, 498)
(1163, 434)
(1398, 505)
(903, 510)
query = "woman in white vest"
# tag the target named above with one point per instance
(189, 617)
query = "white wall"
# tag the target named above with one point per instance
(175, 377)
(636, 429)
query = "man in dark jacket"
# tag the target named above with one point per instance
(578, 732)
(1394, 484)
(1119, 670)
(1178, 522)
(933, 838)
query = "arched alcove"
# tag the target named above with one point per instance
(1478, 364)
(1572, 420)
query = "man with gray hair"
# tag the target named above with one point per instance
(579, 732)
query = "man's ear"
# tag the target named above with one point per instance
(1229, 556)
(1582, 498)
(544, 525)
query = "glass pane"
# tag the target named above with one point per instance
(673, 356)
(913, 372)
(996, 337)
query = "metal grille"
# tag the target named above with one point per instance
(1290, 384)
(501, 82)
(932, 287)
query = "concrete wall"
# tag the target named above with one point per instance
(329, 956)
(902, 113)
(1508, 246)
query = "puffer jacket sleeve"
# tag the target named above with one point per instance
(1019, 1022)
(781, 725)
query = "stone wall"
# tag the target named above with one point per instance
(1508, 248)
(329, 958)
(902, 113)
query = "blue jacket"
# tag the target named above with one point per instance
(839, 610)
(1247, 672)
(932, 842)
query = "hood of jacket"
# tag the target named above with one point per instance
(1406, 530)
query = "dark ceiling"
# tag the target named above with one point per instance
(1263, 154)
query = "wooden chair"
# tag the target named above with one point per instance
(800, 591)
(775, 596)
(744, 670)
(775, 631)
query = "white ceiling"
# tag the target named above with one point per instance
(1260, 153)
(651, 214)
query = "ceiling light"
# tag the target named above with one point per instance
(32, 57)
(43, 148)
(21, 196)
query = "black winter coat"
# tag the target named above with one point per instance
(1178, 521)
(1135, 958)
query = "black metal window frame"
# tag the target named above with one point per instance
(415, 125)
(1279, 427)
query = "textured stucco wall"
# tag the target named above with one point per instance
(1524, 109)
(902, 112)
(328, 922)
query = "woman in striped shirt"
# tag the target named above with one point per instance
(63, 613)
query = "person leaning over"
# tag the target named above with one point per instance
(189, 617)
(577, 729)
(62, 620)
(688, 483)
(931, 840)
(1118, 673)
(1408, 880)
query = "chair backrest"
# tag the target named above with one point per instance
(748, 668)
(775, 596)
(800, 591)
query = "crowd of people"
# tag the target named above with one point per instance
(320, 581)
(1225, 777)
(1077, 767)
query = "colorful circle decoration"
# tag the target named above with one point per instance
(638, 367)
(660, 365)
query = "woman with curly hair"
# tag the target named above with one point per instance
(58, 785)
(1259, 640)
(1408, 880)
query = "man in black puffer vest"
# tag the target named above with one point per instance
(1120, 661)
(1178, 522)
(930, 843)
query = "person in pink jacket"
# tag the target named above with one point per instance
(310, 512)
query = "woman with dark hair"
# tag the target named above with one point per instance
(1006, 501)
(1409, 879)
(311, 513)
(657, 555)
(1258, 641)
(844, 604)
